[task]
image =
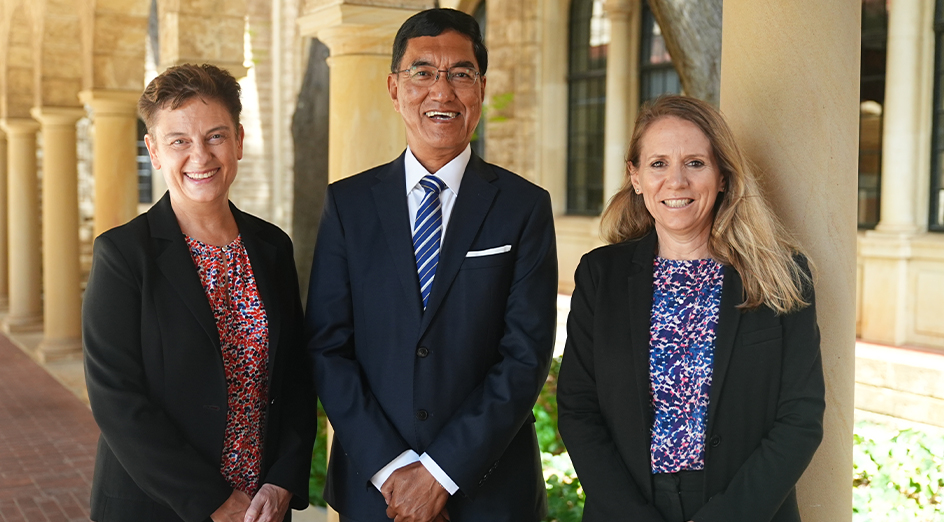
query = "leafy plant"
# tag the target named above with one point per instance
(319, 461)
(897, 475)
(565, 497)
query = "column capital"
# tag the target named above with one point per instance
(105, 102)
(237, 69)
(353, 27)
(19, 125)
(620, 8)
(58, 116)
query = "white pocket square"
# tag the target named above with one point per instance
(489, 251)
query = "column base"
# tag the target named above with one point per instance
(21, 324)
(52, 350)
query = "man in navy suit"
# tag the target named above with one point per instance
(431, 310)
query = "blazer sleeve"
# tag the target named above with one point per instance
(291, 467)
(612, 493)
(370, 439)
(479, 431)
(143, 438)
(771, 472)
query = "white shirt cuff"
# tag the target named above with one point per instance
(407, 457)
(438, 473)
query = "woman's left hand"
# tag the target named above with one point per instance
(269, 504)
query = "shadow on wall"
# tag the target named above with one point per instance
(310, 135)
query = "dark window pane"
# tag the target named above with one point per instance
(936, 217)
(144, 167)
(589, 41)
(478, 137)
(657, 75)
(871, 109)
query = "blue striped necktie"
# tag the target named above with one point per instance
(427, 234)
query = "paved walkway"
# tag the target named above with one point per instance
(47, 444)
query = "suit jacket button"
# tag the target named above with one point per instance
(715, 441)
(422, 352)
(422, 415)
(272, 402)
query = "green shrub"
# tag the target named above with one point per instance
(319, 461)
(565, 497)
(897, 475)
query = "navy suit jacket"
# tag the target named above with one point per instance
(457, 380)
(765, 410)
(155, 375)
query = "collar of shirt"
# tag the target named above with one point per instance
(451, 173)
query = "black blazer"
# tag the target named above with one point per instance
(155, 377)
(765, 407)
(457, 381)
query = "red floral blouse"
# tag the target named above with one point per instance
(244, 338)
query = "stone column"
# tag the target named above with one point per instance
(4, 266)
(115, 152)
(792, 101)
(901, 139)
(62, 336)
(886, 252)
(23, 227)
(622, 90)
(360, 39)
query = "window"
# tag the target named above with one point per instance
(144, 167)
(589, 39)
(656, 73)
(936, 219)
(871, 103)
(478, 137)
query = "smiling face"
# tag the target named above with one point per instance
(439, 119)
(679, 179)
(196, 147)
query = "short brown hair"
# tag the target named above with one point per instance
(178, 84)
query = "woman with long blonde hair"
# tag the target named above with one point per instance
(691, 386)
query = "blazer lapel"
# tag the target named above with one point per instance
(728, 318)
(263, 259)
(394, 216)
(640, 314)
(177, 266)
(476, 194)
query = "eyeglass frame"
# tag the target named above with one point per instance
(477, 74)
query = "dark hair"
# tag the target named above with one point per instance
(434, 22)
(178, 84)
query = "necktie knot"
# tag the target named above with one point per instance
(432, 184)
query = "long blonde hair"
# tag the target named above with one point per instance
(745, 234)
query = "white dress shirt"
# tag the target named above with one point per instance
(451, 174)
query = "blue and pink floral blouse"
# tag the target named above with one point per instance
(244, 338)
(685, 303)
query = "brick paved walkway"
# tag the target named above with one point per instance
(47, 444)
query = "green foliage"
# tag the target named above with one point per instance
(897, 475)
(565, 497)
(319, 461)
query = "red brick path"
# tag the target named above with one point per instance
(47, 444)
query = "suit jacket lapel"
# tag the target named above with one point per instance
(476, 194)
(728, 318)
(263, 258)
(640, 314)
(173, 258)
(394, 216)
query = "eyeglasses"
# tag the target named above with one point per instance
(427, 75)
